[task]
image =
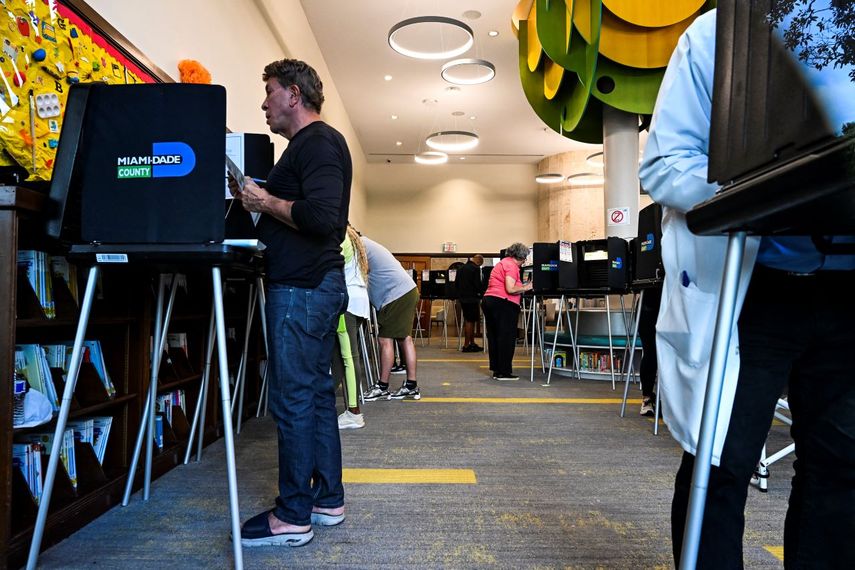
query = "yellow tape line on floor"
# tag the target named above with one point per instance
(465, 360)
(430, 400)
(411, 476)
(776, 551)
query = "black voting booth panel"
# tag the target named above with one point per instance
(568, 265)
(772, 145)
(439, 286)
(594, 264)
(620, 264)
(486, 271)
(147, 162)
(544, 271)
(142, 166)
(426, 288)
(647, 269)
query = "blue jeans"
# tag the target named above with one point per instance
(301, 324)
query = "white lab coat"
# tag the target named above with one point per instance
(674, 172)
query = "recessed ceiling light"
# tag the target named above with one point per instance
(387, 77)
(431, 157)
(394, 117)
(431, 37)
(398, 143)
(468, 71)
(472, 117)
(549, 178)
(457, 114)
(471, 14)
(452, 141)
(462, 158)
(493, 33)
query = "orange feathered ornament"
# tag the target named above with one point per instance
(193, 72)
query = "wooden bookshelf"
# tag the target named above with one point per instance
(122, 320)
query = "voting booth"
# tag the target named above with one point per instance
(139, 182)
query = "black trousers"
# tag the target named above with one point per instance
(647, 333)
(796, 334)
(501, 318)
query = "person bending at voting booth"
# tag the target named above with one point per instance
(470, 290)
(304, 209)
(790, 335)
(501, 306)
(394, 294)
(347, 359)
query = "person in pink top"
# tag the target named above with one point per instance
(501, 306)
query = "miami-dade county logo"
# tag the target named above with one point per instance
(648, 244)
(168, 159)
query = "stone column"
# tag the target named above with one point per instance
(621, 188)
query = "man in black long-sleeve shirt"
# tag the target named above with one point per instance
(304, 211)
(470, 290)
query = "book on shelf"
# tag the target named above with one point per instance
(177, 340)
(165, 403)
(158, 430)
(84, 430)
(35, 265)
(28, 458)
(32, 363)
(58, 356)
(95, 356)
(65, 449)
(101, 432)
(61, 268)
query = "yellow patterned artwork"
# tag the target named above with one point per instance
(46, 49)
(578, 55)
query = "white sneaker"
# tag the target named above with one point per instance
(349, 420)
(647, 408)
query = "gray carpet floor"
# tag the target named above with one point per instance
(558, 485)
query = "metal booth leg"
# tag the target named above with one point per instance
(533, 328)
(146, 430)
(554, 341)
(576, 348)
(631, 354)
(262, 308)
(712, 400)
(201, 401)
(228, 435)
(366, 362)
(62, 419)
(611, 341)
(240, 384)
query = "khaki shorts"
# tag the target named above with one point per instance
(396, 319)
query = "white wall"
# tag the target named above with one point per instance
(234, 40)
(481, 207)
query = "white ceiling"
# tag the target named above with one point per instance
(353, 38)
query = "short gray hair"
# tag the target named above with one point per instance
(518, 251)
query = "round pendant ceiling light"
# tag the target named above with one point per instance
(431, 37)
(549, 178)
(595, 160)
(431, 157)
(585, 179)
(452, 141)
(468, 71)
